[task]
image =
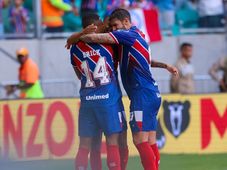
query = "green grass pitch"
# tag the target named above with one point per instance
(168, 162)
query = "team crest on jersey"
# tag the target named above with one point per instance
(176, 117)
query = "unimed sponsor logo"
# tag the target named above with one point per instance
(97, 97)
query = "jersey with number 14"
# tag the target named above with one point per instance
(95, 67)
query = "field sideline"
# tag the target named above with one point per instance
(168, 162)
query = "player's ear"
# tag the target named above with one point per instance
(125, 21)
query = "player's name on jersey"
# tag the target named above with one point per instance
(98, 97)
(91, 53)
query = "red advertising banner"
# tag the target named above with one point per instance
(47, 129)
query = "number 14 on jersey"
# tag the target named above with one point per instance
(100, 73)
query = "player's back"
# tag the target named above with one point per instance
(94, 63)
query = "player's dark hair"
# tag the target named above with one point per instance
(183, 45)
(120, 14)
(90, 18)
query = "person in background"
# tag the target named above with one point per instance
(52, 12)
(89, 6)
(29, 84)
(211, 13)
(220, 65)
(167, 13)
(145, 4)
(179, 4)
(3, 4)
(72, 20)
(225, 9)
(184, 84)
(113, 4)
(18, 17)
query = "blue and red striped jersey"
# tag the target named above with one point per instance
(134, 60)
(95, 65)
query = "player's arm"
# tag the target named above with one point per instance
(173, 70)
(214, 70)
(77, 72)
(73, 39)
(123, 37)
(76, 36)
(104, 38)
(23, 85)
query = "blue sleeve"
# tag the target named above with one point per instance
(123, 37)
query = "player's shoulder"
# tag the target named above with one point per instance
(79, 44)
(121, 31)
(106, 47)
(72, 48)
(138, 32)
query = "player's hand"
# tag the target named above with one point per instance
(89, 29)
(68, 44)
(10, 89)
(173, 70)
(75, 37)
(71, 40)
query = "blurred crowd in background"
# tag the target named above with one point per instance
(18, 16)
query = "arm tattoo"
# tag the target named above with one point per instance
(98, 38)
(158, 64)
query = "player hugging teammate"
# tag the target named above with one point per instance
(101, 110)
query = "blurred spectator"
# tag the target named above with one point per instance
(29, 85)
(28, 4)
(52, 12)
(18, 17)
(184, 84)
(89, 6)
(167, 13)
(3, 4)
(145, 4)
(186, 14)
(72, 20)
(179, 4)
(211, 13)
(112, 5)
(225, 9)
(220, 65)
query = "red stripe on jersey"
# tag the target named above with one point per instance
(115, 39)
(78, 63)
(140, 33)
(96, 58)
(108, 48)
(133, 60)
(142, 50)
(86, 48)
